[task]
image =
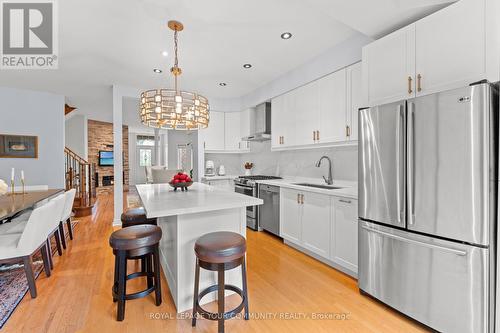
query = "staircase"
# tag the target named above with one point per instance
(79, 175)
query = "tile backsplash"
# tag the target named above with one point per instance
(298, 162)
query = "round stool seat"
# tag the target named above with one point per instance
(135, 216)
(220, 247)
(135, 237)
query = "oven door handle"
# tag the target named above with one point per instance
(243, 187)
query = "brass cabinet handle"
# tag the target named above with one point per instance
(298, 198)
(347, 131)
(239, 145)
(302, 199)
(314, 135)
(283, 140)
(419, 83)
(409, 85)
(345, 201)
(317, 135)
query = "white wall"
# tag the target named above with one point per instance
(27, 112)
(76, 134)
(300, 162)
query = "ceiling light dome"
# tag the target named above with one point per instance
(173, 108)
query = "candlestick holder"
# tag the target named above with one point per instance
(12, 187)
(22, 186)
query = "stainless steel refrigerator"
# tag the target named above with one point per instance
(428, 206)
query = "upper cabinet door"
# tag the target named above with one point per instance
(214, 133)
(354, 99)
(277, 114)
(245, 128)
(332, 107)
(306, 110)
(389, 67)
(450, 47)
(232, 130)
(288, 119)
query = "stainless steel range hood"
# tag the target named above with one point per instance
(260, 123)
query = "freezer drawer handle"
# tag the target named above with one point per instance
(433, 246)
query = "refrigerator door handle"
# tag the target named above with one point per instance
(400, 176)
(410, 165)
(412, 241)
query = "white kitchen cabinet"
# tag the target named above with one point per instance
(450, 47)
(344, 233)
(316, 222)
(354, 99)
(332, 108)
(290, 215)
(389, 67)
(277, 114)
(245, 120)
(214, 134)
(305, 108)
(232, 130)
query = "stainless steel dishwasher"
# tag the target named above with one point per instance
(269, 212)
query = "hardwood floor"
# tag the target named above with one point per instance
(282, 282)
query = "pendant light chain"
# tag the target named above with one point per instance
(176, 71)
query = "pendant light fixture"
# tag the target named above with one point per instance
(173, 108)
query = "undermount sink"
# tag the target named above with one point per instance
(326, 187)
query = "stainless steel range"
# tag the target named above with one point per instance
(247, 185)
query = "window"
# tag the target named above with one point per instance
(145, 140)
(145, 157)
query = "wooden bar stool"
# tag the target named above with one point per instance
(135, 216)
(220, 251)
(135, 242)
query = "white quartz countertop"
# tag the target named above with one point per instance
(225, 177)
(161, 200)
(349, 189)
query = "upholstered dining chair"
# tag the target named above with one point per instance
(54, 231)
(162, 176)
(69, 198)
(20, 247)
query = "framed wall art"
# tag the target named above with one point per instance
(18, 146)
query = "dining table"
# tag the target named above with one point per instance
(13, 204)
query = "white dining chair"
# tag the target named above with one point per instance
(69, 199)
(54, 231)
(20, 247)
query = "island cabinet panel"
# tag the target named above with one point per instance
(290, 215)
(316, 223)
(344, 236)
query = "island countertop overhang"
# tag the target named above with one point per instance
(161, 200)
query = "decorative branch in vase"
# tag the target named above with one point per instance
(248, 168)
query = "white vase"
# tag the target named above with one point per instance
(248, 172)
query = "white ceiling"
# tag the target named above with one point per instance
(120, 42)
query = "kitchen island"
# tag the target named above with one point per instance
(185, 216)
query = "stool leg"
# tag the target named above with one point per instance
(157, 279)
(70, 228)
(63, 237)
(245, 290)
(58, 242)
(220, 300)
(115, 281)
(143, 264)
(149, 269)
(122, 280)
(196, 291)
(49, 249)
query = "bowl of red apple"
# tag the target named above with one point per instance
(181, 180)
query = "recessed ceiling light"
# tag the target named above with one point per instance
(247, 65)
(157, 71)
(164, 53)
(286, 35)
(223, 84)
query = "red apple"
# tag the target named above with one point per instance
(176, 181)
(188, 180)
(183, 177)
